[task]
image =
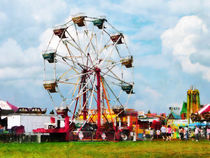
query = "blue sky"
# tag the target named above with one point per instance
(169, 40)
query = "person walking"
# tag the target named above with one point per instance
(163, 132)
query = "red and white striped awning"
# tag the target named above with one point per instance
(7, 106)
(206, 108)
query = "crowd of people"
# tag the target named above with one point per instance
(183, 133)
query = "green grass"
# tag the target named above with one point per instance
(106, 149)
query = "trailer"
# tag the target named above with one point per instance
(29, 121)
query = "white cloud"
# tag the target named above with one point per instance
(42, 11)
(139, 105)
(10, 73)
(12, 55)
(159, 61)
(3, 17)
(184, 7)
(184, 40)
(21, 73)
(154, 94)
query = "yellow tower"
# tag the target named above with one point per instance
(193, 102)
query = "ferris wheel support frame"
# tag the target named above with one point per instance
(84, 77)
(98, 59)
(98, 76)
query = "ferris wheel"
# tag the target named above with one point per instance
(87, 65)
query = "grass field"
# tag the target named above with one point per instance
(106, 149)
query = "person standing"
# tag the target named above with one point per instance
(186, 133)
(197, 131)
(169, 130)
(181, 133)
(163, 132)
(158, 133)
(208, 133)
(151, 134)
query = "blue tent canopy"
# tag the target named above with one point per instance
(199, 124)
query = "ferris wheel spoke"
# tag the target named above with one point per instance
(76, 62)
(65, 59)
(96, 46)
(110, 67)
(106, 46)
(70, 54)
(113, 93)
(64, 74)
(51, 99)
(117, 78)
(50, 41)
(92, 93)
(61, 95)
(118, 51)
(79, 44)
(113, 27)
(107, 55)
(88, 46)
(88, 43)
(81, 89)
(77, 35)
(91, 43)
(69, 42)
(64, 82)
(73, 76)
(127, 48)
(100, 42)
(86, 102)
(114, 75)
(78, 47)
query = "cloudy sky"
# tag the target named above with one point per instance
(169, 40)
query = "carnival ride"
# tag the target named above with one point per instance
(193, 102)
(88, 74)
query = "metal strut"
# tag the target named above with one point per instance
(98, 76)
(84, 95)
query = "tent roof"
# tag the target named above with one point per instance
(173, 115)
(184, 108)
(199, 124)
(4, 105)
(206, 108)
(7, 106)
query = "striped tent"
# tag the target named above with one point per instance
(206, 108)
(7, 108)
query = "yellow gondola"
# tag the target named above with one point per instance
(50, 86)
(127, 62)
